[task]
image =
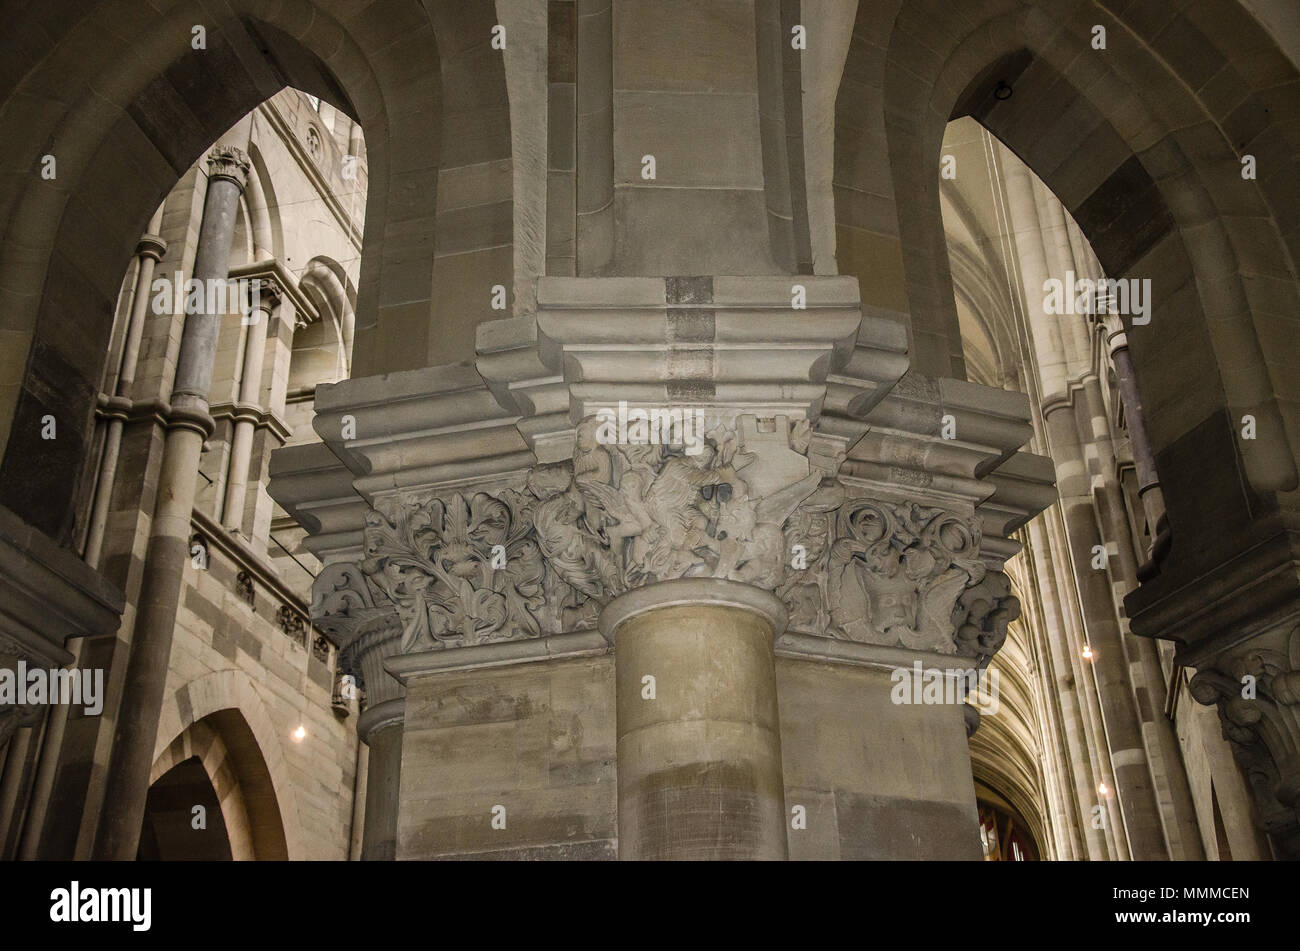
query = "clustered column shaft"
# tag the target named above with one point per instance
(142, 694)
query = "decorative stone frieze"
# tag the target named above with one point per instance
(471, 568)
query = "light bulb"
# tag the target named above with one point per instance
(1101, 788)
(299, 733)
(1087, 652)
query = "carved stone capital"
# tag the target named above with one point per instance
(268, 293)
(356, 615)
(151, 246)
(897, 574)
(1257, 693)
(638, 506)
(230, 163)
(466, 568)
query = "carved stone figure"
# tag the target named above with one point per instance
(982, 614)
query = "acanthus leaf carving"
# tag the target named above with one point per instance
(896, 574)
(514, 563)
(460, 571)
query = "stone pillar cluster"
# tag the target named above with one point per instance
(1110, 685)
(169, 546)
(249, 409)
(630, 569)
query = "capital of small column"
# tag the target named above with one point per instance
(269, 293)
(230, 163)
(151, 246)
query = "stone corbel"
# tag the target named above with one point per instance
(1257, 693)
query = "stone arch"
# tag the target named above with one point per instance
(202, 746)
(1005, 750)
(1142, 117)
(127, 106)
(1167, 111)
(227, 702)
(263, 208)
(323, 281)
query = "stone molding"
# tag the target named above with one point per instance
(151, 246)
(711, 591)
(379, 717)
(405, 667)
(716, 342)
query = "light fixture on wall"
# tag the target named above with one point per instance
(1088, 652)
(299, 734)
(1103, 789)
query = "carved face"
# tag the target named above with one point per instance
(891, 602)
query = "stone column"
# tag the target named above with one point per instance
(699, 744)
(511, 511)
(149, 251)
(1144, 461)
(1061, 726)
(380, 728)
(1119, 712)
(1146, 680)
(1053, 347)
(368, 635)
(127, 783)
(249, 408)
(1073, 705)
